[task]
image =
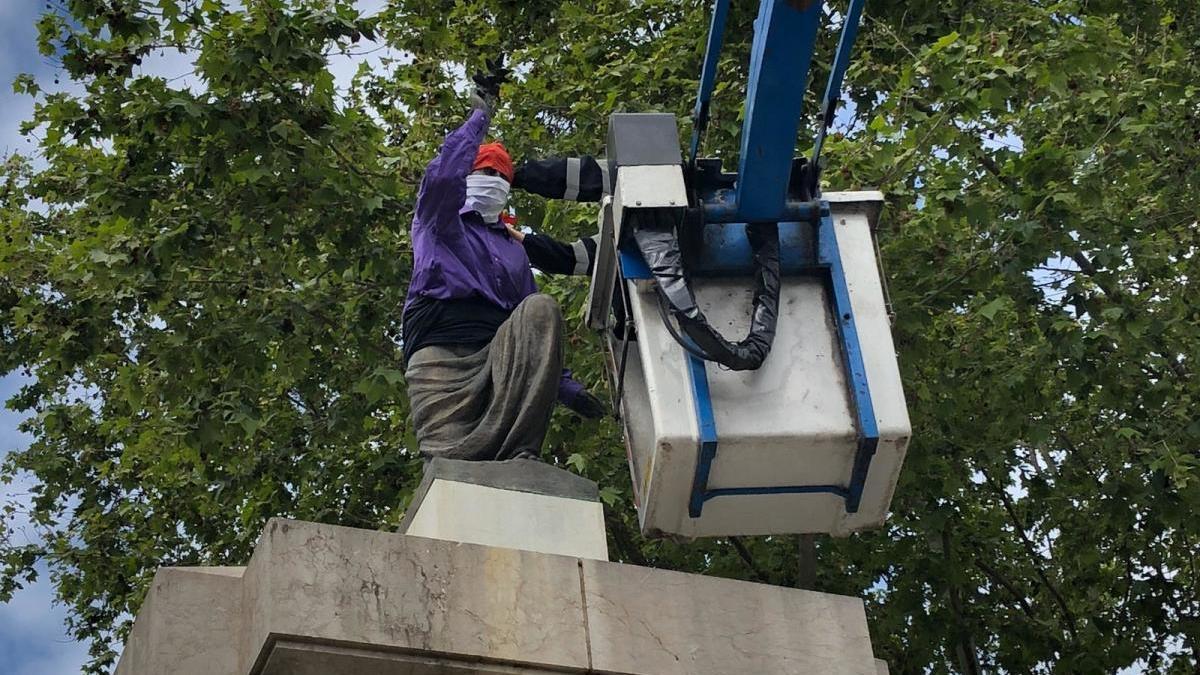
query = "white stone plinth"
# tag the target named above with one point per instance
(519, 504)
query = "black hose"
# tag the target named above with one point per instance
(664, 312)
(656, 237)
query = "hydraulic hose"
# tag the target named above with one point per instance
(656, 237)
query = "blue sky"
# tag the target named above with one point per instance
(33, 638)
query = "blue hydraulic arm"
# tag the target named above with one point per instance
(833, 90)
(708, 76)
(784, 37)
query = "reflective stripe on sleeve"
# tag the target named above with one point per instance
(573, 169)
(605, 186)
(581, 258)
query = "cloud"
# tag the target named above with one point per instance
(177, 68)
(68, 660)
(12, 439)
(344, 66)
(33, 637)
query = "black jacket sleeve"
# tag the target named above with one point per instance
(555, 257)
(580, 179)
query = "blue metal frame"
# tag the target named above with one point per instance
(726, 252)
(829, 261)
(721, 208)
(841, 61)
(829, 253)
(708, 452)
(708, 75)
(633, 265)
(784, 37)
(708, 432)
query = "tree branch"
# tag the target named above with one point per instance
(744, 554)
(806, 576)
(1008, 586)
(964, 644)
(990, 165)
(1031, 550)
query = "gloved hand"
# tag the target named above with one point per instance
(588, 406)
(487, 85)
(481, 102)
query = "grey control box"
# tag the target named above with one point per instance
(643, 139)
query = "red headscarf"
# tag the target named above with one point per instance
(494, 156)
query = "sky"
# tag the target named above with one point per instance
(33, 637)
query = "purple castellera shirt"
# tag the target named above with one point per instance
(456, 255)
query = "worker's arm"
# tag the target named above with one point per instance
(580, 179)
(444, 186)
(555, 257)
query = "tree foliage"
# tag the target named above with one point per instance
(204, 286)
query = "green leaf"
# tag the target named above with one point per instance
(943, 42)
(106, 258)
(392, 376)
(610, 495)
(25, 84)
(989, 310)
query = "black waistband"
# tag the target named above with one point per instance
(468, 321)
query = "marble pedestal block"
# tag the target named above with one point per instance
(321, 599)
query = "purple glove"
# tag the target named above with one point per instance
(576, 397)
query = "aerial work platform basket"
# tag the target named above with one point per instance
(789, 447)
(802, 426)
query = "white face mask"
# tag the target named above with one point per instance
(486, 194)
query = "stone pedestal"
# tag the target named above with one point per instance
(515, 504)
(320, 599)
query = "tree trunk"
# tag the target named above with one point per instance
(806, 577)
(964, 644)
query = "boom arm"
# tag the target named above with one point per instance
(784, 40)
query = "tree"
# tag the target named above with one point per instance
(206, 294)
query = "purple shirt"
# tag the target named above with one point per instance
(455, 254)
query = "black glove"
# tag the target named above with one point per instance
(487, 84)
(588, 406)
